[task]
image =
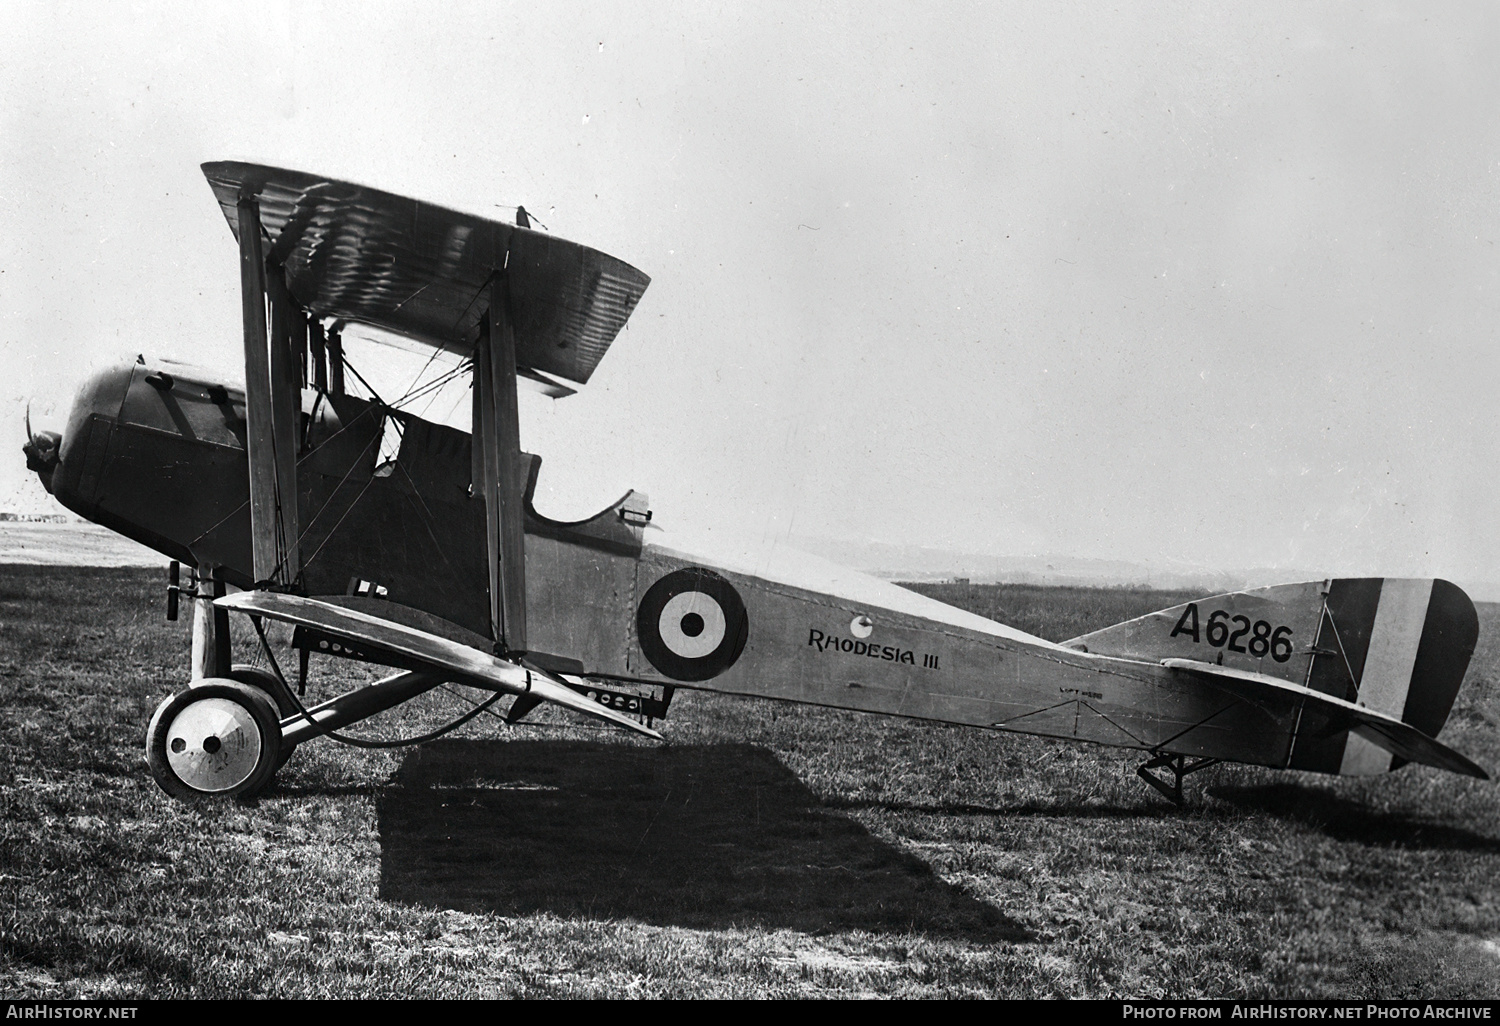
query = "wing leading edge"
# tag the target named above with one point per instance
(465, 664)
(422, 271)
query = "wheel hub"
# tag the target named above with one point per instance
(213, 744)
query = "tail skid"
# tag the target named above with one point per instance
(1179, 766)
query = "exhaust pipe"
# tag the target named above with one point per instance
(42, 451)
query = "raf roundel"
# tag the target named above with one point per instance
(692, 624)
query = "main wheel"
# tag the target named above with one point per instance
(263, 679)
(260, 677)
(217, 738)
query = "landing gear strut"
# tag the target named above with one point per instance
(1178, 765)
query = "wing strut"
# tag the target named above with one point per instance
(271, 401)
(288, 363)
(498, 458)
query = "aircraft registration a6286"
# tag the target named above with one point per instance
(279, 496)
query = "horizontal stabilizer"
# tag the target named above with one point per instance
(464, 664)
(1387, 732)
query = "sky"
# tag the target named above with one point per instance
(1193, 285)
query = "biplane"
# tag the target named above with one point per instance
(429, 558)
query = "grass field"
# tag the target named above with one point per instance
(766, 850)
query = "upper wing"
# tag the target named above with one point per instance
(419, 270)
(409, 645)
(1387, 732)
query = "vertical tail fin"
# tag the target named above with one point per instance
(1395, 645)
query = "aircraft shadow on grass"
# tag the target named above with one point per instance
(1344, 819)
(698, 836)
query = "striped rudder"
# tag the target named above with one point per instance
(1397, 646)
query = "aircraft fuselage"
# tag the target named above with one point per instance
(157, 453)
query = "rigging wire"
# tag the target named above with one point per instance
(432, 388)
(435, 384)
(431, 356)
(361, 378)
(454, 410)
(422, 414)
(324, 508)
(424, 513)
(341, 520)
(361, 742)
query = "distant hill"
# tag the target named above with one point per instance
(917, 563)
(59, 540)
(37, 518)
(50, 543)
(921, 564)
